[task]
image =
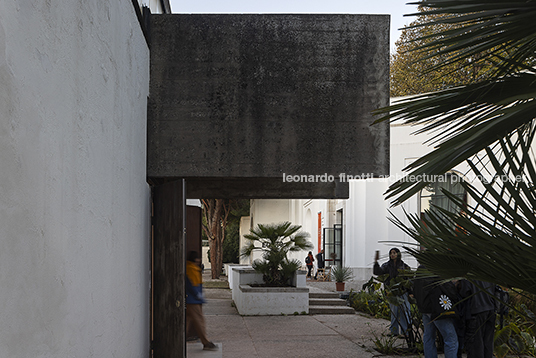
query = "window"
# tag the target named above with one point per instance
(432, 195)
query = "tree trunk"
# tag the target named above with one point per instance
(215, 251)
(216, 212)
(216, 258)
(213, 210)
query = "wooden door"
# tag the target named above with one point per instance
(168, 270)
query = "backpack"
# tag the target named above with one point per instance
(307, 259)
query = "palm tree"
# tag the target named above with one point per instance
(472, 117)
(492, 238)
(489, 124)
(276, 241)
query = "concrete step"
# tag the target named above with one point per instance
(331, 310)
(324, 295)
(326, 302)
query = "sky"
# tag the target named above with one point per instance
(395, 8)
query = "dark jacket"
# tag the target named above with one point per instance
(311, 260)
(478, 301)
(427, 289)
(422, 288)
(390, 268)
(320, 260)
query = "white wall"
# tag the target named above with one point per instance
(405, 148)
(366, 227)
(245, 227)
(74, 204)
(365, 220)
(306, 215)
(273, 211)
(309, 220)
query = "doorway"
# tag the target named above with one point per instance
(333, 245)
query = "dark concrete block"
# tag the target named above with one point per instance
(256, 96)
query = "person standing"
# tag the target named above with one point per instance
(319, 262)
(480, 323)
(195, 320)
(431, 295)
(400, 314)
(309, 260)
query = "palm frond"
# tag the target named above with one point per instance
(276, 240)
(493, 238)
(502, 32)
(469, 119)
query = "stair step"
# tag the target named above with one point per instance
(326, 302)
(324, 295)
(331, 310)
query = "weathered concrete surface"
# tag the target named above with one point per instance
(254, 188)
(256, 96)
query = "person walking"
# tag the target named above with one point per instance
(436, 304)
(195, 320)
(400, 314)
(309, 260)
(319, 262)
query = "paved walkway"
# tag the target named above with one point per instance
(286, 336)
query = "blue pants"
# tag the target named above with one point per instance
(400, 316)
(447, 328)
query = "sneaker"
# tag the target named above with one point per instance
(192, 338)
(210, 347)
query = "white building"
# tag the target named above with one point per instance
(355, 228)
(74, 201)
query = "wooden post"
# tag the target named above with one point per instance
(169, 202)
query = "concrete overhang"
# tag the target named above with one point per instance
(238, 101)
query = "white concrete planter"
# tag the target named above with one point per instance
(253, 301)
(229, 271)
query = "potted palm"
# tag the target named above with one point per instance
(341, 274)
(274, 284)
(276, 241)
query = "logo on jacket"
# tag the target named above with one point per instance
(445, 302)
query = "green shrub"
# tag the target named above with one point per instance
(373, 304)
(341, 273)
(515, 335)
(374, 300)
